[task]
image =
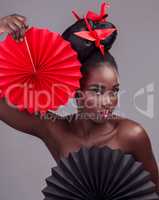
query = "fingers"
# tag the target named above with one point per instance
(15, 31)
(21, 28)
(15, 25)
(18, 26)
(19, 17)
(8, 29)
(22, 33)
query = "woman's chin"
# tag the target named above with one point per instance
(100, 119)
(96, 117)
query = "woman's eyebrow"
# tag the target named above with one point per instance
(96, 86)
(102, 86)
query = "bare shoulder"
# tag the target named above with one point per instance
(55, 122)
(53, 117)
(51, 123)
(132, 134)
(135, 140)
(130, 126)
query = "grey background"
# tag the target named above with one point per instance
(24, 160)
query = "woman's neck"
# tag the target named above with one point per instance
(87, 127)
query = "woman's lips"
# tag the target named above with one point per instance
(105, 113)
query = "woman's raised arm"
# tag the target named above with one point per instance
(16, 25)
(22, 121)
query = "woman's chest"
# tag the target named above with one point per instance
(64, 141)
(72, 143)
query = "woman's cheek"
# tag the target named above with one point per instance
(91, 101)
(115, 102)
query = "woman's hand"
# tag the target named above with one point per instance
(15, 25)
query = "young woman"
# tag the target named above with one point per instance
(97, 97)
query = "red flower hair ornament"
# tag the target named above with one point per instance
(96, 35)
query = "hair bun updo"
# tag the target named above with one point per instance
(84, 47)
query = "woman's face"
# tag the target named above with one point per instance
(99, 95)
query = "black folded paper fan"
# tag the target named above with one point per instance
(99, 174)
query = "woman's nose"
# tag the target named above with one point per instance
(106, 100)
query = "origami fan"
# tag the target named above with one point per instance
(99, 174)
(40, 73)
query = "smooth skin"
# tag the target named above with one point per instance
(62, 135)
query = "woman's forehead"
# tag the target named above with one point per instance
(107, 76)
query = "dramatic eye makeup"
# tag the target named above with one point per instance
(101, 89)
(97, 88)
(116, 87)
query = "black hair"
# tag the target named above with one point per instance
(88, 54)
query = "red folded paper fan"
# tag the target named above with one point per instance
(40, 73)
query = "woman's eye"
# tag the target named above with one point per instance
(99, 91)
(115, 92)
